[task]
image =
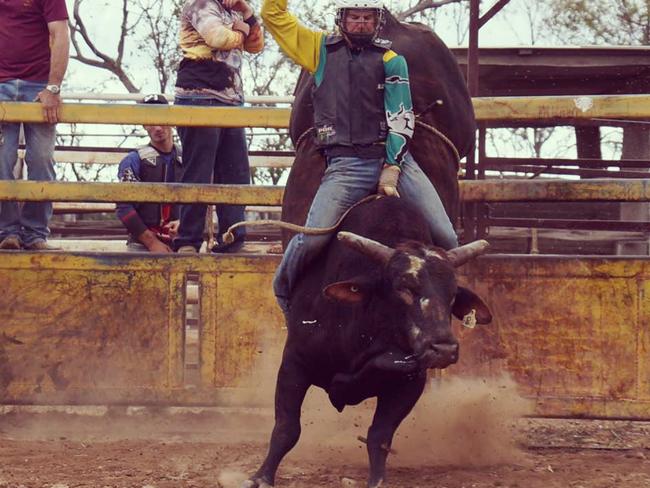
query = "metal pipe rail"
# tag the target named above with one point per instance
(114, 158)
(565, 108)
(57, 191)
(87, 113)
(621, 190)
(136, 97)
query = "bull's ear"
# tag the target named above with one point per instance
(466, 301)
(352, 291)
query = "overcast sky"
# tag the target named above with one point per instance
(103, 18)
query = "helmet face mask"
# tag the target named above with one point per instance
(354, 29)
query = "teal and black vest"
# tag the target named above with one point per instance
(349, 102)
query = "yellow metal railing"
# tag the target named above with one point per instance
(623, 107)
(505, 109)
(619, 190)
(151, 115)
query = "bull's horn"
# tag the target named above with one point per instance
(460, 255)
(370, 248)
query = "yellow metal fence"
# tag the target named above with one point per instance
(510, 109)
(85, 328)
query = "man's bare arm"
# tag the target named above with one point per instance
(60, 48)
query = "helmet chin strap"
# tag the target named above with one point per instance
(359, 40)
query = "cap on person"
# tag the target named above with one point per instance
(155, 99)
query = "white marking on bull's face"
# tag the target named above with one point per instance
(425, 303)
(430, 253)
(415, 265)
(415, 332)
(309, 322)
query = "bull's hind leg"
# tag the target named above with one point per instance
(290, 392)
(393, 405)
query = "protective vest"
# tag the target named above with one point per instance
(349, 102)
(154, 170)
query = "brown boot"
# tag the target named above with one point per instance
(40, 245)
(11, 242)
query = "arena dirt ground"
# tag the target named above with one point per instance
(463, 434)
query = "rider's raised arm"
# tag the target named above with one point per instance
(300, 43)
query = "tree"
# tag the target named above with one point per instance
(139, 48)
(622, 23)
(87, 51)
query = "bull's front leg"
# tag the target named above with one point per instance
(393, 405)
(290, 392)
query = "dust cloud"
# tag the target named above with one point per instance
(458, 421)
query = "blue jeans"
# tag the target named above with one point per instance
(29, 223)
(345, 182)
(211, 155)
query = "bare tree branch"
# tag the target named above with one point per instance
(423, 5)
(115, 66)
(123, 33)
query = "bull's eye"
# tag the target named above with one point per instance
(354, 289)
(406, 296)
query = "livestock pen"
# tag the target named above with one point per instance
(107, 334)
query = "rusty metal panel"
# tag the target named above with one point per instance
(571, 331)
(247, 318)
(79, 329)
(643, 344)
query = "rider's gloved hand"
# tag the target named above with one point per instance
(388, 180)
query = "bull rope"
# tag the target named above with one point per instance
(228, 237)
(429, 127)
(441, 135)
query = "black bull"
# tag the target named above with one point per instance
(373, 312)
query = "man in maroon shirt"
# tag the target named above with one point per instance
(34, 44)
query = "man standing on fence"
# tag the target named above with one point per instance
(213, 35)
(34, 43)
(151, 226)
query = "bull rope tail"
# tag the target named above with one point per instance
(442, 136)
(228, 237)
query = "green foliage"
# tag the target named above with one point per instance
(597, 22)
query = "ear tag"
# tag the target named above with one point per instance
(469, 320)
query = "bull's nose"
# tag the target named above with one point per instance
(446, 353)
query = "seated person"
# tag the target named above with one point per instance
(151, 226)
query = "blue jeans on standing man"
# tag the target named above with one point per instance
(346, 181)
(211, 155)
(28, 223)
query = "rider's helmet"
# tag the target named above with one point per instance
(359, 38)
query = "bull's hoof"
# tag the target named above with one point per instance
(256, 483)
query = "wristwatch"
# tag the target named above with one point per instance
(55, 89)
